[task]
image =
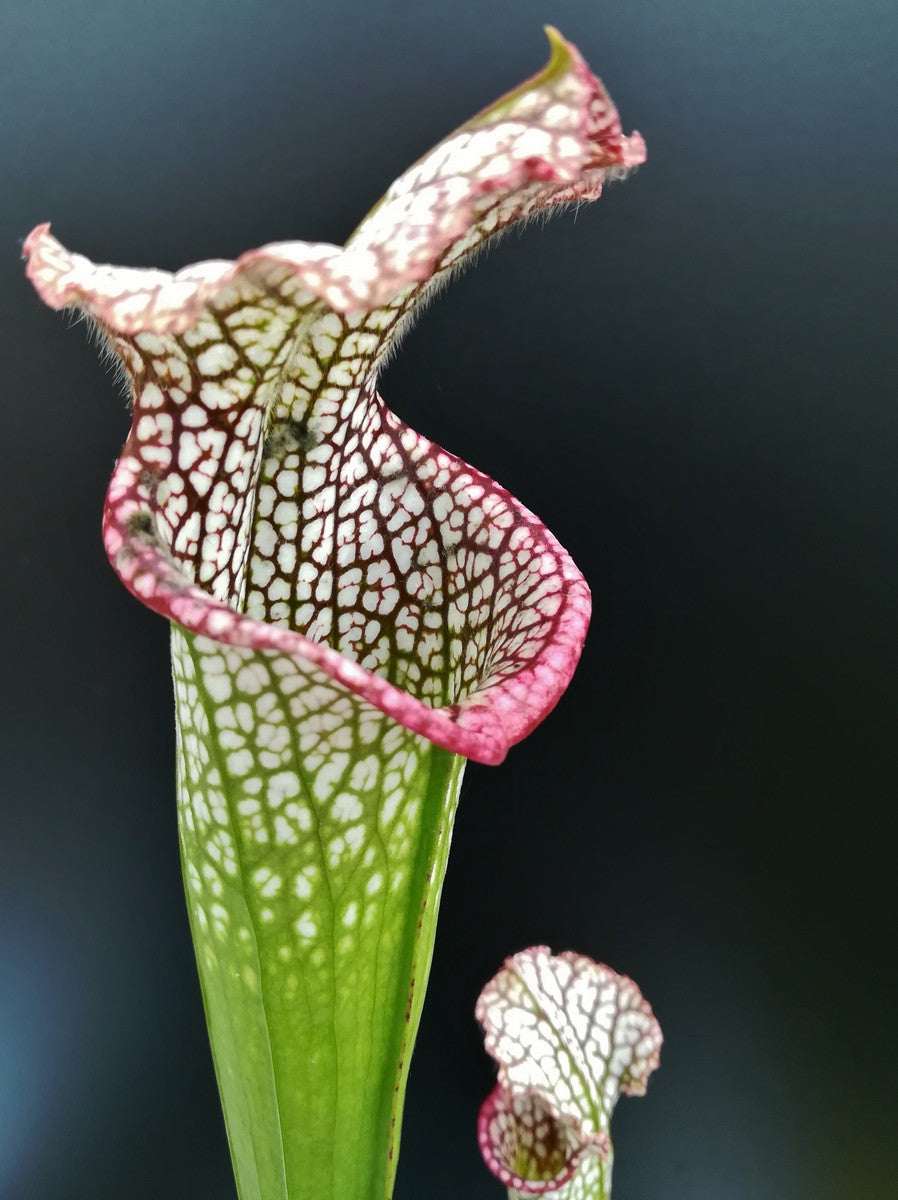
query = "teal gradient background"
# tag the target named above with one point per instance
(693, 383)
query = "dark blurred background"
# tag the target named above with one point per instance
(693, 383)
